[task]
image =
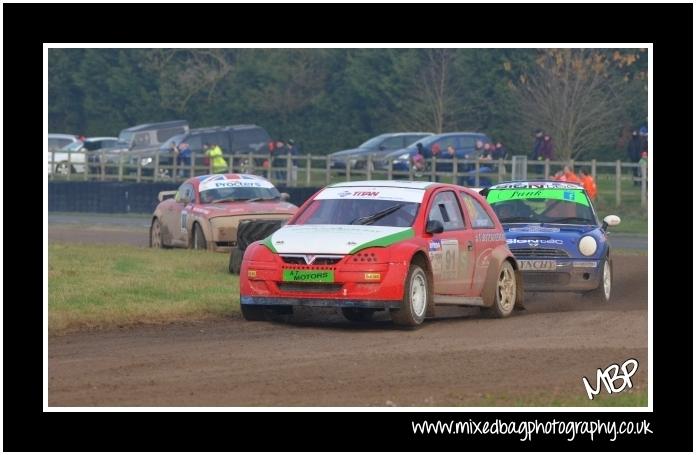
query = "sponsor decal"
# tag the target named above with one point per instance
(537, 264)
(200, 210)
(251, 273)
(490, 236)
(534, 242)
(445, 260)
(373, 276)
(484, 258)
(373, 193)
(535, 228)
(435, 245)
(585, 264)
(570, 194)
(535, 185)
(309, 276)
(184, 220)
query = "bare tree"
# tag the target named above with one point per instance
(572, 95)
(187, 72)
(434, 92)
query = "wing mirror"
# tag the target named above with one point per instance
(284, 197)
(434, 227)
(610, 220)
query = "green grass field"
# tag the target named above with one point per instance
(105, 286)
(632, 398)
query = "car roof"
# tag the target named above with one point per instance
(231, 176)
(62, 136)
(154, 126)
(386, 183)
(536, 184)
(407, 133)
(210, 129)
(104, 138)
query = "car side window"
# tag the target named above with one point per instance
(195, 142)
(477, 214)
(446, 210)
(185, 193)
(392, 143)
(142, 139)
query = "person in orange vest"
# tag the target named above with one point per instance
(570, 175)
(588, 183)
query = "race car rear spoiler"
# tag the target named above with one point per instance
(165, 195)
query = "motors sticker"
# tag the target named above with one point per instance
(373, 193)
(184, 220)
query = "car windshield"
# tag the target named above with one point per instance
(372, 144)
(126, 136)
(360, 211)
(74, 147)
(239, 194)
(542, 205)
(168, 143)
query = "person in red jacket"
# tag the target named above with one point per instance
(588, 183)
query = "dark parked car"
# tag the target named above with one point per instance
(233, 140)
(464, 144)
(379, 147)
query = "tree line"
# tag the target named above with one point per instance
(331, 99)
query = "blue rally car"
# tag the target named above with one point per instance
(552, 229)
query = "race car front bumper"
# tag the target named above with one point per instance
(571, 275)
(353, 285)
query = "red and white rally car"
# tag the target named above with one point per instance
(377, 245)
(205, 212)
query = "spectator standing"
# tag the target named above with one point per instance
(214, 152)
(546, 150)
(570, 175)
(183, 159)
(635, 146)
(278, 161)
(538, 140)
(588, 183)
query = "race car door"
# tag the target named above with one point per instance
(450, 251)
(485, 239)
(176, 215)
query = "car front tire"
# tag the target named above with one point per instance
(156, 234)
(236, 256)
(199, 242)
(603, 292)
(415, 300)
(505, 293)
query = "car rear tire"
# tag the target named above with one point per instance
(253, 312)
(156, 234)
(199, 242)
(236, 256)
(603, 292)
(505, 293)
(415, 300)
(358, 314)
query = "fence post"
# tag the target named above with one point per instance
(85, 174)
(501, 170)
(594, 169)
(138, 172)
(210, 163)
(102, 166)
(546, 169)
(433, 169)
(643, 184)
(618, 183)
(410, 171)
(348, 170)
(157, 169)
(53, 164)
(120, 167)
(571, 164)
(328, 169)
(193, 164)
(288, 169)
(309, 169)
(455, 169)
(69, 165)
(390, 170)
(251, 167)
(369, 167)
(476, 177)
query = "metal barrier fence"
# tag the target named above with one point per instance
(316, 170)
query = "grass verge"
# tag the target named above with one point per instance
(107, 286)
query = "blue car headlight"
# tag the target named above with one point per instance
(587, 245)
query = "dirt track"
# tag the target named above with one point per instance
(320, 359)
